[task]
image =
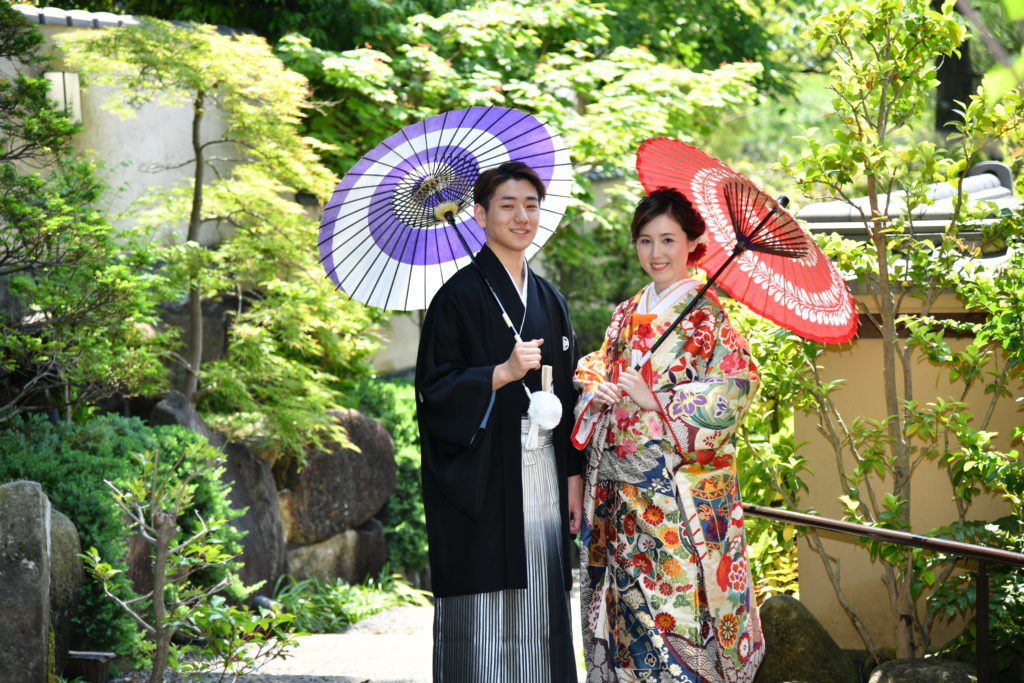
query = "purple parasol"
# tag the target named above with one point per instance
(384, 237)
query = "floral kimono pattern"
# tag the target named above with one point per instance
(667, 594)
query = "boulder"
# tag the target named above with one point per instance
(797, 647)
(923, 671)
(338, 488)
(67, 575)
(351, 555)
(26, 647)
(253, 489)
(176, 409)
(216, 324)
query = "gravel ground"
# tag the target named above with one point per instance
(393, 646)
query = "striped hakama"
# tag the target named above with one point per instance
(515, 635)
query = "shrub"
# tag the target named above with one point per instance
(71, 461)
(328, 606)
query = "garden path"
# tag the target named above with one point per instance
(393, 646)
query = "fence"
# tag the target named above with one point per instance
(980, 553)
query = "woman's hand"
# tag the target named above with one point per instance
(606, 394)
(575, 503)
(633, 385)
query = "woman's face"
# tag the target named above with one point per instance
(663, 250)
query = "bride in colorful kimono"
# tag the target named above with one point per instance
(667, 593)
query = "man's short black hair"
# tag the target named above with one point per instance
(488, 182)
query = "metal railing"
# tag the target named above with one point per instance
(981, 554)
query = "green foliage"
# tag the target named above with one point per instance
(294, 342)
(233, 639)
(955, 595)
(393, 403)
(329, 606)
(193, 562)
(78, 304)
(768, 456)
(882, 76)
(71, 461)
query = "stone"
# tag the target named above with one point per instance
(338, 488)
(176, 409)
(253, 489)
(351, 555)
(797, 647)
(26, 646)
(67, 575)
(216, 324)
(923, 671)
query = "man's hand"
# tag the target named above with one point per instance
(575, 503)
(633, 384)
(525, 356)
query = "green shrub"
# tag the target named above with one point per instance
(328, 606)
(71, 461)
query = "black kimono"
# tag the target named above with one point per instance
(470, 436)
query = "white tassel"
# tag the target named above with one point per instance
(545, 412)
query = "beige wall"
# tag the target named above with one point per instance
(860, 366)
(148, 152)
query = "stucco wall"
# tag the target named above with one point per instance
(141, 154)
(932, 502)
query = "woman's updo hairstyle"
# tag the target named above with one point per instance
(674, 203)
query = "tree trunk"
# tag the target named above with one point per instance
(903, 607)
(164, 526)
(194, 334)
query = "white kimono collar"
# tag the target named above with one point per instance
(653, 303)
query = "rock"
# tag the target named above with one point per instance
(338, 488)
(26, 647)
(351, 555)
(67, 575)
(176, 409)
(216, 322)
(923, 671)
(797, 647)
(253, 489)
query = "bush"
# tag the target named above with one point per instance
(329, 606)
(71, 461)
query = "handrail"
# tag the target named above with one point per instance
(977, 552)
(980, 553)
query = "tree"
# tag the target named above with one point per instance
(553, 59)
(882, 76)
(77, 302)
(293, 340)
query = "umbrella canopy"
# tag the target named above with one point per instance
(777, 269)
(400, 223)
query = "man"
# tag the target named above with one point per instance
(499, 513)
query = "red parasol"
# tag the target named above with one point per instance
(778, 270)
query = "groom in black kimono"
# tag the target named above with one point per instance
(470, 373)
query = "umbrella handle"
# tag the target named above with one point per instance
(737, 250)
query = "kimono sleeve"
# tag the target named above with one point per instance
(703, 415)
(455, 398)
(591, 370)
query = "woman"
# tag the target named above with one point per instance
(666, 588)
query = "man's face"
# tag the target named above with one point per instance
(511, 220)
